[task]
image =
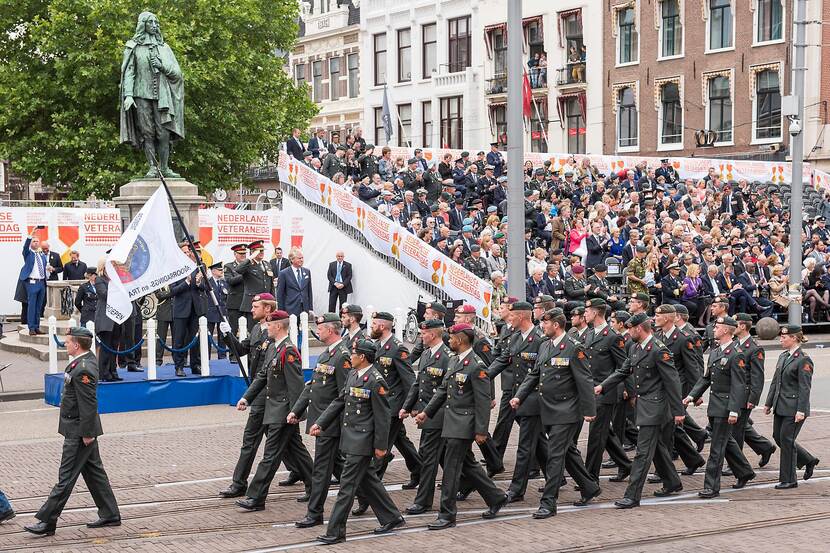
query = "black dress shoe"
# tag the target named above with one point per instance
(765, 457)
(542, 512)
(609, 464)
(102, 522)
(389, 526)
(492, 472)
(411, 485)
(786, 485)
(305, 497)
(8, 514)
(250, 504)
(653, 479)
(808, 469)
(534, 474)
(663, 492)
(689, 471)
(585, 499)
(514, 498)
(708, 494)
(621, 475)
(308, 522)
(360, 509)
(330, 540)
(700, 444)
(41, 529)
(727, 472)
(232, 491)
(441, 524)
(292, 479)
(742, 481)
(196, 372)
(117, 378)
(134, 369)
(462, 496)
(494, 510)
(180, 372)
(626, 503)
(416, 509)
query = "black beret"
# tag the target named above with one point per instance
(384, 316)
(431, 323)
(637, 320)
(364, 346)
(437, 306)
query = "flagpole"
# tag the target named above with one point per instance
(202, 269)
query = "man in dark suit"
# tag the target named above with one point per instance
(457, 215)
(189, 303)
(597, 243)
(294, 293)
(749, 283)
(340, 281)
(318, 145)
(732, 203)
(257, 276)
(33, 275)
(75, 269)
(294, 146)
(86, 298)
(495, 159)
(278, 263)
(215, 315)
(54, 265)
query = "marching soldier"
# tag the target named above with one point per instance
(464, 395)
(606, 353)
(281, 377)
(520, 356)
(579, 328)
(719, 309)
(432, 311)
(330, 375)
(726, 374)
(432, 365)
(364, 440)
(80, 426)
(466, 314)
(350, 317)
(789, 400)
(658, 405)
(624, 425)
(692, 428)
(755, 356)
(562, 380)
(236, 286)
(257, 277)
(682, 347)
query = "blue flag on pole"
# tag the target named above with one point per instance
(386, 117)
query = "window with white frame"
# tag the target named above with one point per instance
(404, 55)
(627, 124)
(671, 114)
(671, 31)
(354, 75)
(405, 125)
(379, 47)
(767, 107)
(720, 24)
(627, 39)
(317, 80)
(334, 77)
(720, 108)
(769, 21)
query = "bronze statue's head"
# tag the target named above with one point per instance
(148, 24)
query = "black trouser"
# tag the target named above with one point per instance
(326, 452)
(785, 431)
(756, 442)
(405, 447)
(653, 444)
(458, 461)
(562, 453)
(530, 434)
(213, 330)
(431, 451)
(724, 446)
(337, 296)
(504, 423)
(280, 443)
(686, 450)
(600, 439)
(693, 429)
(492, 459)
(251, 438)
(161, 331)
(80, 460)
(106, 359)
(233, 320)
(360, 474)
(183, 332)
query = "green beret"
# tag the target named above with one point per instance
(595, 302)
(427, 324)
(437, 306)
(327, 318)
(665, 309)
(642, 296)
(364, 346)
(384, 316)
(521, 306)
(728, 321)
(743, 317)
(637, 320)
(80, 332)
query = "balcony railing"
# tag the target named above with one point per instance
(571, 74)
(498, 84)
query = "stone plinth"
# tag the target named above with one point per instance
(134, 194)
(54, 294)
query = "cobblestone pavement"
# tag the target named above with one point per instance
(166, 467)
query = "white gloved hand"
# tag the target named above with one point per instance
(224, 328)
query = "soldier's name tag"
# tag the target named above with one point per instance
(360, 393)
(67, 378)
(324, 369)
(561, 361)
(461, 378)
(435, 371)
(385, 361)
(528, 356)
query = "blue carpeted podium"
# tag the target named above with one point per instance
(136, 393)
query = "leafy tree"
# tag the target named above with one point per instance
(60, 64)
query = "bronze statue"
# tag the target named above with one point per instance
(152, 95)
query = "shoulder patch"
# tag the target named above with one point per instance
(760, 355)
(404, 353)
(666, 356)
(621, 343)
(290, 358)
(381, 391)
(482, 374)
(690, 345)
(485, 348)
(741, 363)
(580, 355)
(85, 379)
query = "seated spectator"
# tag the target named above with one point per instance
(535, 285)
(499, 291)
(692, 289)
(616, 244)
(538, 261)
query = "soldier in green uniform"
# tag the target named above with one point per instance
(281, 378)
(351, 315)
(658, 406)
(329, 377)
(692, 428)
(432, 311)
(720, 308)
(562, 380)
(579, 328)
(80, 426)
(236, 286)
(432, 365)
(466, 314)
(606, 353)
(257, 277)
(635, 272)
(789, 400)
(364, 440)
(464, 396)
(726, 374)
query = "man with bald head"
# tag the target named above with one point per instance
(340, 281)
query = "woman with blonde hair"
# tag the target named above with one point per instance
(538, 261)
(778, 286)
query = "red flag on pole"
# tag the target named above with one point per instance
(526, 96)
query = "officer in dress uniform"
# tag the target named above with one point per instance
(432, 311)
(257, 277)
(329, 377)
(520, 356)
(464, 396)
(236, 285)
(189, 303)
(789, 400)
(215, 315)
(86, 298)
(726, 374)
(658, 407)
(80, 426)
(692, 428)
(562, 379)
(598, 287)
(350, 315)
(432, 365)
(281, 378)
(364, 441)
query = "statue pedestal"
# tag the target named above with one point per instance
(133, 195)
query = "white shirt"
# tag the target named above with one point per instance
(36, 267)
(558, 340)
(645, 342)
(463, 354)
(434, 349)
(671, 331)
(526, 334)
(334, 345)
(354, 332)
(598, 329)
(362, 372)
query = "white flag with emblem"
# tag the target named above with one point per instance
(145, 258)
